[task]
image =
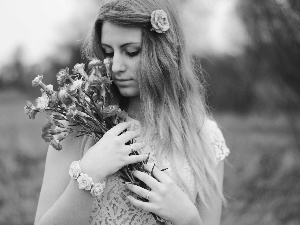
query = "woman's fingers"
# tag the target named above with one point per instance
(134, 147)
(128, 135)
(159, 175)
(147, 179)
(136, 158)
(119, 128)
(148, 206)
(144, 193)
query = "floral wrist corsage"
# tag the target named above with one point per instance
(84, 181)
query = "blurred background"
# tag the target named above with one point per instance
(250, 54)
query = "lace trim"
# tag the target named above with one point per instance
(218, 142)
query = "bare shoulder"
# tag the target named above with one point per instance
(56, 176)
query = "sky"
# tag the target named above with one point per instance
(39, 25)
(214, 27)
(36, 25)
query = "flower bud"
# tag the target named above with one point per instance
(95, 62)
(42, 102)
(62, 76)
(55, 144)
(37, 81)
(30, 110)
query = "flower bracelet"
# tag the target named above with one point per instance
(84, 181)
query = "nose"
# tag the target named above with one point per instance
(118, 63)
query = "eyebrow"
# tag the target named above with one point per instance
(123, 45)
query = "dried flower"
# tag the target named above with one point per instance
(46, 132)
(55, 144)
(52, 99)
(106, 61)
(61, 136)
(59, 124)
(110, 110)
(30, 110)
(64, 96)
(94, 63)
(62, 76)
(159, 21)
(58, 117)
(82, 101)
(49, 87)
(79, 68)
(73, 88)
(37, 81)
(77, 84)
(42, 102)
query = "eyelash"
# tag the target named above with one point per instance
(130, 54)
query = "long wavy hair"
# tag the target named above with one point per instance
(172, 94)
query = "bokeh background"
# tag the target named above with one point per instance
(250, 55)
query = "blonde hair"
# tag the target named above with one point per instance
(172, 95)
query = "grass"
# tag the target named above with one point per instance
(263, 180)
(22, 158)
(262, 176)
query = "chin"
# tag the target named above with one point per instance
(129, 93)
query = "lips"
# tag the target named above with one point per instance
(123, 82)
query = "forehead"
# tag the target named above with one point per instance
(114, 35)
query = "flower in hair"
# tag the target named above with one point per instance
(159, 21)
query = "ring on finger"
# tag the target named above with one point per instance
(147, 196)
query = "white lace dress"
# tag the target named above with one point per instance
(113, 208)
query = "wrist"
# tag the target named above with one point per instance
(98, 176)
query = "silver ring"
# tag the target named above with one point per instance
(147, 196)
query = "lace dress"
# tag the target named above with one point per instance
(113, 208)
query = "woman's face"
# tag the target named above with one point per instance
(123, 45)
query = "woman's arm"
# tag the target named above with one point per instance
(212, 216)
(61, 201)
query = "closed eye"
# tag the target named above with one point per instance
(132, 54)
(108, 54)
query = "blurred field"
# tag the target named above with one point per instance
(262, 177)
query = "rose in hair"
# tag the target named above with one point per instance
(159, 21)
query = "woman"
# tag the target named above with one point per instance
(155, 83)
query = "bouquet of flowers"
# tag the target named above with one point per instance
(82, 101)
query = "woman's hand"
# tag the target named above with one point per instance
(166, 199)
(110, 153)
